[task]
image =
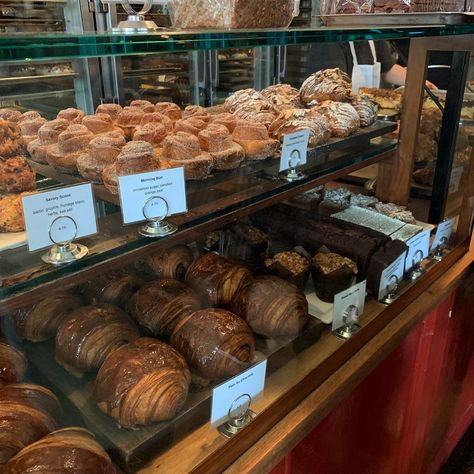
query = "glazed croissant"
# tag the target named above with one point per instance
(161, 304)
(170, 263)
(13, 364)
(114, 287)
(25, 417)
(215, 342)
(142, 382)
(89, 335)
(272, 307)
(217, 277)
(40, 322)
(70, 450)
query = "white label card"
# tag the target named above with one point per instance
(455, 180)
(145, 196)
(392, 276)
(59, 216)
(348, 305)
(443, 233)
(294, 149)
(237, 392)
(418, 248)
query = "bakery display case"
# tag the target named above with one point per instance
(133, 341)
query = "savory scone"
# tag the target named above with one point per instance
(16, 175)
(11, 213)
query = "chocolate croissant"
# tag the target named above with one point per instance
(170, 263)
(116, 287)
(70, 450)
(271, 306)
(89, 335)
(161, 304)
(216, 343)
(142, 382)
(217, 277)
(13, 364)
(41, 321)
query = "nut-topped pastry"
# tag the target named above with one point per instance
(145, 105)
(253, 138)
(182, 149)
(71, 114)
(129, 119)
(48, 135)
(100, 123)
(169, 109)
(113, 110)
(190, 125)
(217, 141)
(10, 114)
(72, 143)
(283, 96)
(228, 120)
(290, 266)
(366, 108)
(294, 120)
(157, 117)
(328, 84)
(342, 117)
(154, 133)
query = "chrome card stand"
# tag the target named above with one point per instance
(392, 294)
(135, 22)
(62, 232)
(293, 174)
(239, 415)
(438, 253)
(155, 211)
(350, 326)
(416, 271)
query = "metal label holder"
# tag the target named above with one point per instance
(64, 251)
(350, 326)
(293, 174)
(135, 22)
(239, 415)
(416, 270)
(438, 254)
(156, 226)
(392, 294)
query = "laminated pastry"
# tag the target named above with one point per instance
(327, 84)
(217, 141)
(290, 266)
(227, 119)
(41, 321)
(191, 125)
(103, 151)
(172, 111)
(11, 213)
(157, 118)
(13, 364)
(154, 133)
(216, 343)
(129, 119)
(294, 120)
(72, 143)
(115, 287)
(384, 98)
(283, 96)
(11, 142)
(113, 110)
(182, 149)
(142, 382)
(10, 115)
(366, 108)
(160, 305)
(396, 212)
(89, 335)
(170, 263)
(16, 175)
(72, 115)
(332, 274)
(100, 123)
(48, 135)
(254, 139)
(196, 111)
(271, 306)
(217, 277)
(71, 450)
(30, 123)
(145, 105)
(342, 117)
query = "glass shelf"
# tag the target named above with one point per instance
(211, 203)
(23, 47)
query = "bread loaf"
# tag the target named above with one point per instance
(328, 84)
(343, 119)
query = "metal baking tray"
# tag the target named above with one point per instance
(396, 19)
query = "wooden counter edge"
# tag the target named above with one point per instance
(274, 445)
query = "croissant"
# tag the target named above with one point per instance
(170, 263)
(216, 343)
(13, 364)
(271, 306)
(70, 450)
(89, 335)
(115, 287)
(41, 321)
(142, 382)
(217, 277)
(161, 304)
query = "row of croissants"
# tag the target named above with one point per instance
(207, 310)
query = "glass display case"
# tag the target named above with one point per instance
(133, 339)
